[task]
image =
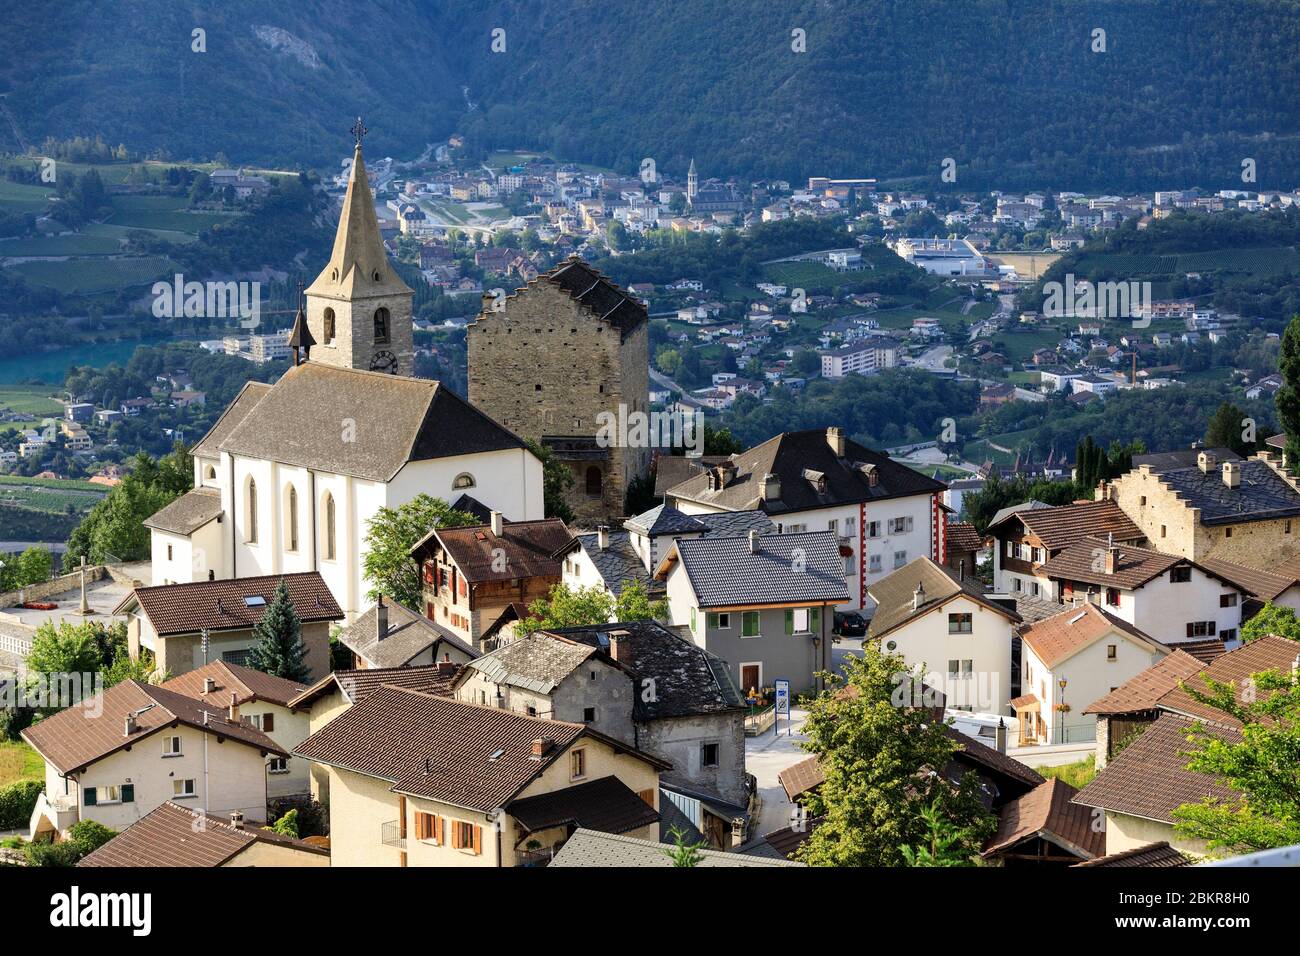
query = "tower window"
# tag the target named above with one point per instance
(381, 325)
(594, 482)
(329, 326)
(293, 518)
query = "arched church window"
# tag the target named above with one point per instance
(251, 536)
(291, 516)
(463, 480)
(331, 528)
(381, 325)
(378, 277)
(594, 481)
(329, 326)
(209, 473)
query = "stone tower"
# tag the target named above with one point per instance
(547, 361)
(359, 309)
(692, 182)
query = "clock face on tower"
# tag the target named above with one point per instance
(384, 361)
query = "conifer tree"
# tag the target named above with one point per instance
(279, 649)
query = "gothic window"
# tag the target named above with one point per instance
(594, 481)
(329, 326)
(251, 536)
(463, 480)
(210, 473)
(381, 325)
(331, 529)
(292, 513)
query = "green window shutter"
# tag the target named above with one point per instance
(128, 793)
(711, 620)
(692, 619)
(88, 796)
(789, 620)
(749, 624)
(815, 620)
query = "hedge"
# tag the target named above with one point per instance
(17, 801)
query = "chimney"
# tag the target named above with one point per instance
(237, 819)
(1232, 474)
(541, 747)
(1112, 554)
(234, 709)
(381, 619)
(835, 438)
(618, 646)
(753, 541)
(602, 537)
(209, 685)
(1000, 736)
(497, 523)
(131, 725)
(445, 666)
(1206, 462)
(918, 596)
(770, 488)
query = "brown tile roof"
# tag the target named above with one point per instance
(188, 513)
(1150, 778)
(526, 546)
(1266, 653)
(442, 749)
(787, 840)
(1142, 691)
(985, 758)
(1061, 636)
(1265, 585)
(798, 779)
(397, 420)
(174, 836)
(357, 685)
(1153, 855)
(894, 595)
(1046, 811)
(220, 605)
(606, 805)
(209, 445)
(1205, 650)
(409, 634)
(1024, 700)
(77, 737)
(1134, 566)
(1058, 527)
(962, 536)
(246, 683)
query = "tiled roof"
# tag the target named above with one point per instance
(618, 563)
(395, 419)
(587, 848)
(1149, 777)
(246, 683)
(962, 536)
(688, 680)
(472, 506)
(1266, 653)
(1152, 855)
(1261, 496)
(357, 685)
(1142, 691)
(598, 293)
(665, 519)
(524, 549)
(799, 778)
(1164, 461)
(895, 595)
(443, 749)
(223, 604)
(790, 456)
(209, 445)
(606, 805)
(1265, 585)
(80, 735)
(1063, 635)
(1046, 811)
(1204, 650)
(1134, 566)
(671, 470)
(409, 635)
(537, 662)
(1003, 513)
(187, 513)
(1058, 527)
(989, 760)
(785, 568)
(174, 836)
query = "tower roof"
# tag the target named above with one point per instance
(359, 265)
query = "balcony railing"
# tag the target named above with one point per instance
(390, 834)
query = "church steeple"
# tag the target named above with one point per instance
(359, 309)
(692, 182)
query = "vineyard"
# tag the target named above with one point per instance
(84, 276)
(1277, 260)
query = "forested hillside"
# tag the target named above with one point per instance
(1010, 89)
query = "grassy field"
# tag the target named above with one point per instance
(75, 276)
(109, 231)
(161, 212)
(60, 246)
(1078, 774)
(29, 399)
(18, 762)
(1019, 346)
(21, 198)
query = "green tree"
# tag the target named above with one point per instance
(390, 536)
(945, 844)
(279, 649)
(1272, 619)
(114, 528)
(287, 825)
(1287, 398)
(557, 479)
(1260, 767)
(564, 606)
(634, 604)
(884, 760)
(68, 649)
(683, 852)
(1225, 429)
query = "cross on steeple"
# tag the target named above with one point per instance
(359, 130)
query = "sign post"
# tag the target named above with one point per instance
(782, 705)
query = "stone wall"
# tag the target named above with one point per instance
(57, 585)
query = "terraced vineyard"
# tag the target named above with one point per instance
(84, 276)
(1275, 260)
(59, 246)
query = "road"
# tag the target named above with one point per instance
(933, 359)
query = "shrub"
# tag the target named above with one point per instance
(52, 854)
(287, 825)
(17, 801)
(90, 835)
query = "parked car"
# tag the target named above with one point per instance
(849, 624)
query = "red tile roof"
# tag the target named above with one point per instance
(523, 550)
(1046, 811)
(1058, 527)
(1153, 855)
(1142, 691)
(1059, 637)
(246, 683)
(1266, 653)
(221, 605)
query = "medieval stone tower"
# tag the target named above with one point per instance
(549, 359)
(359, 309)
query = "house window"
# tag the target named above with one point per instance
(850, 525)
(900, 525)
(1181, 574)
(1227, 532)
(263, 722)
(833, 526)
(1286, 528)
(693, 628)
(589, 715)
(463, 480)
(1162, 531)
(1112, 652)
(1200, 628)
(954, 668)
(169, 552)
(1230, 634)
(797, 620)
(1112, 597)
(1228, 600)
(329, 326)
(110, 794)
(381, 326)
(900, 558)
(720, 621)
(961, 623)
(183, 788)
(428, 828)
(466, 836)
(873, 563)
(1143, 501)
(172, 746)
(749, 624)
(331, 539)
(577, 764)
(251, 536)
(594, 482)
(292, 515)
(708, 755)
(277, 765)
(873, 529)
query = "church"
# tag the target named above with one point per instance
(290, 475)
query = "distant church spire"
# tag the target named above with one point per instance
(692, 181)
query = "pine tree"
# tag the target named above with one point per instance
(1288, 396)
(279, 649)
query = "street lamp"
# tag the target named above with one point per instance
(1060, 710)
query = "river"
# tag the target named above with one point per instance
(52, 366)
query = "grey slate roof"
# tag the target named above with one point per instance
(1162, 461)
(209, 445)
(894, 595)
(187, 513)
(1263, 494)
(723, 571)
(588, 848)
(409, 634)
(619, 563)
(1003, 513)
(538, 662)
(666, 520)
(394, 419)
(672, 470)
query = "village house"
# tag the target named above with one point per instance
(392, 635)
(606, 559)
(1130, 708)
(1044, 828)
(652, 533)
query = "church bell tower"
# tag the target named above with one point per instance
(359, 309)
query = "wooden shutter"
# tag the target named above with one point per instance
(648, 796)
(440, 830)
(89, 796)
(128, 793)
(268, 723)
(455, 836)
(478, 840)
(1190, 629)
